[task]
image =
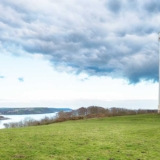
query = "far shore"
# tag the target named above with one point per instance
(3, 118)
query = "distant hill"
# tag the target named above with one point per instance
(22, 111)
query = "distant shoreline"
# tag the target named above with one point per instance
(3, 118)
(24, 111)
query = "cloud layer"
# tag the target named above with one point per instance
(99, 37)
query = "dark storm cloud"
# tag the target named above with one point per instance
(114, 6)
(152, 6)
(100, 38)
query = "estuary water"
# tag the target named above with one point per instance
(18, 118)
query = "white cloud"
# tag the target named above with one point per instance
(93, 40)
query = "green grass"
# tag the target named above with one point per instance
(115, 138)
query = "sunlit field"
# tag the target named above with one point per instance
(115, 138)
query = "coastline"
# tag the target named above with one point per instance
(3, 118)
(18, 118)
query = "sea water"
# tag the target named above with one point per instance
(18, 118)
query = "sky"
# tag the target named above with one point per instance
(71, 53)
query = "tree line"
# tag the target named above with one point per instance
(81, 113)
(96, 111)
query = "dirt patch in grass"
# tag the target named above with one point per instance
(19, 156)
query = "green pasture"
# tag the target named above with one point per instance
(115, 138)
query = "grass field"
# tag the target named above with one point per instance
(115, 138)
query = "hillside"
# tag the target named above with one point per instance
(22, 111)
(115, 138)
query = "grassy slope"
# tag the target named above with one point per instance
(128, 137)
